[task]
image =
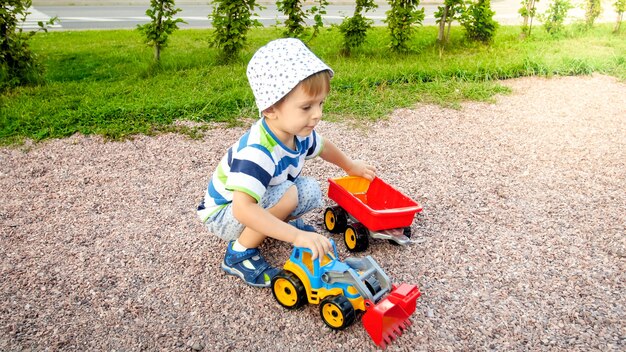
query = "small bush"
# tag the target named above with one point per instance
(400, 20)
(554, 18)
(232, 19)
(593, 9)
(354, 29)
(18, 64)
(478, 21)
(295, 24)
(620, 8)
(158, 30)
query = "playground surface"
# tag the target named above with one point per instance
(521, 244)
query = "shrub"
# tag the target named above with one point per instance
(478, 21)
(400, 20)
(296, 17)
(620, 8)
(555, 16)
(18, 64)
(295, 22)
(157, 31)
(232, 19)
(593, 8)
(354, 29)
(528, 12)
(445, 15)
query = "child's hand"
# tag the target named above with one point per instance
(360, 168)
(317, 243)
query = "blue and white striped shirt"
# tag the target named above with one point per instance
(253, 163)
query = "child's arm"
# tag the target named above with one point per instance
(249, 213)
(332, 154)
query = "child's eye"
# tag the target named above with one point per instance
(306, 107)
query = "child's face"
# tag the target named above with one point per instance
(296, 115)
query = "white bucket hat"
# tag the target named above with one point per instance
(277, 68)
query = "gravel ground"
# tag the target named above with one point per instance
(521, 244)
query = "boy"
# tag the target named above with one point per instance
(256, 188)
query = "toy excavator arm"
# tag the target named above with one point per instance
(370, 274)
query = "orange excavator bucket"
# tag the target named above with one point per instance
(390, 317)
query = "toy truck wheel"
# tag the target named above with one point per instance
(288, 290)
(356, 237)
(337, 312)
(335, 219)
(373, 285)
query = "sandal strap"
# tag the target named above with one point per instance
(259, 271)
(238, 257)
(253, 276)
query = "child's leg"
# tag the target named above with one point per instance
(242, 257)
(281, 210)
(309, 198)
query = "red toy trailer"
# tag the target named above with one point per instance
(368, 209)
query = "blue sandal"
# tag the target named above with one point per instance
(260, 276)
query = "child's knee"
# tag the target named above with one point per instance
(309, 195)
(290, 199)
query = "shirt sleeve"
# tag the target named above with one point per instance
(251, 170)
(316, 145)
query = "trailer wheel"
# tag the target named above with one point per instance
(356, 237)
(335, 219)
(288, 290)
(337, 312)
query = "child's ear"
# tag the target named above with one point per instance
(270, 112)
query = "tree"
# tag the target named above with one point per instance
(593, 8)
(401, 17)
(620, 8)
(445, 15)
(163, 24)
(296, 17)
(528, 12)
(18, 64)
(478, 21)
(317, 11)
(232, 19)
(555, 16)
(354, 29)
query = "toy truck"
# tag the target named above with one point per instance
(342, 289)
(368, 209)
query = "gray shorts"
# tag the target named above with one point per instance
(224, 225)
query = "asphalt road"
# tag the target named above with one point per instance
(120, 16)
(129, 16)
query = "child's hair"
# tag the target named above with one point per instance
(313, 85)
(316, 83)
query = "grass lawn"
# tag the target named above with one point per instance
(104, 82)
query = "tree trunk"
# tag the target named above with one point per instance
(157, 52)
(157, 45)
(525, 31)
(620, 17)
(442, 25)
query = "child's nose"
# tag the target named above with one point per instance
(317, 113)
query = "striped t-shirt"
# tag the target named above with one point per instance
(253, 163)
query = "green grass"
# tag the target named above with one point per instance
(103, 82)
